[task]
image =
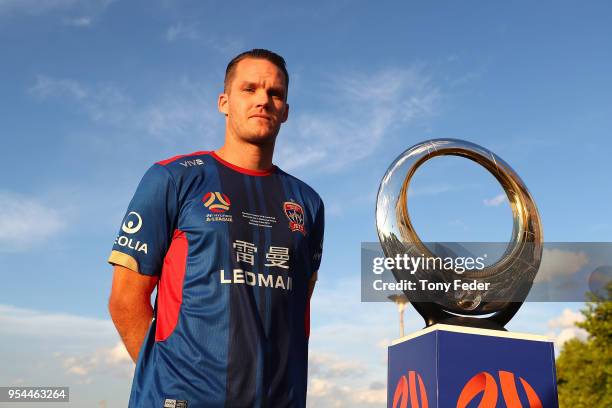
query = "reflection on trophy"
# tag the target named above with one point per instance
(448, 364)
(400, 301)
(508, 280)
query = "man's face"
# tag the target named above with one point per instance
(255, 103)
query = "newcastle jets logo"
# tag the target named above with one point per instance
(295, 214)
(132, 223)
(216, 202)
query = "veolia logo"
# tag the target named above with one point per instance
(129, 227)
(485, 383)
(406, 395)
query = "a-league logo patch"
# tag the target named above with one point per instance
(216, 202)
(295, 214)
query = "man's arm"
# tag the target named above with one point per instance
(311, 284)
(130, 306)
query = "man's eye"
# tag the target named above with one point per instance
(249, 89)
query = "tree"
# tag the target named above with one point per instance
(584, 369)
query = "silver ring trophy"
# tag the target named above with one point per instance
(509, 279)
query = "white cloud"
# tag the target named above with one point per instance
(495, 201)
(46, 87)
(357, 112)
(383, 344)
(103, 103)
(190, 31)
(28, 322)
(319, 388)
(372, 396)
(558, 265)
(338, 382)
(118, 355)
(25, 222)
(40, 347)
(78, 21)
(326, 393)
(35, 7)
(567, 318)
(568, 334)
(563, 328)
(182, 31)
(327, 365)
(74, 366)
(113, 359)
(334, 380)
(340, 373)
(186, 110)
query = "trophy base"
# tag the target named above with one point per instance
(450, 366)
(464, 321)
(432, 313)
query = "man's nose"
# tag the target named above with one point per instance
(261, 97)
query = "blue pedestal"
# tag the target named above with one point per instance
(457, 367)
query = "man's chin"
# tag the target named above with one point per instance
(261, 138)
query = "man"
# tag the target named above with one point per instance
(233, 245)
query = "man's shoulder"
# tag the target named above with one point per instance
(177, 168)
(302, 186)
(185, 160)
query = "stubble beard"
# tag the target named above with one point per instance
(255, 137)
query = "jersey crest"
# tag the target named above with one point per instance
(295, 214)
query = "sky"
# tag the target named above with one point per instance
(95, 91)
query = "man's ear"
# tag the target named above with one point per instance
(222, 104)
(286, 114)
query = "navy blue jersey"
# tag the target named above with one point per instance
(234, 250)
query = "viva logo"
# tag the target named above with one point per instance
(485, 384)
(406, 395)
